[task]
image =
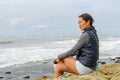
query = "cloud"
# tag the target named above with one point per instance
(106, 12)
(13, 22)
(57, 14)
(41, 26)
(8, 2)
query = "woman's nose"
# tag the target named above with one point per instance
(79, 25)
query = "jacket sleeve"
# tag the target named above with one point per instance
(84, 39)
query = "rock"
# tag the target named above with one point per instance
(116, 76)
(93, 76)
(44, 62)
(118, 61)
(105, 72)
(103, 62)
(99, 61)
(109, 70)
(1, 77)
(113, 59)
(47, 78)
(8, 72)
(44, 77)
(26, 77)
(117, 57)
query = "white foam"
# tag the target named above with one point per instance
(110, 47)
(11, 56)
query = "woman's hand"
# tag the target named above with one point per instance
(56, 61)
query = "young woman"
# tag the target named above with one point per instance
(86, 51)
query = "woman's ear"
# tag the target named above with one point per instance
(88, 22)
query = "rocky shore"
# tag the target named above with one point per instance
(109, 69)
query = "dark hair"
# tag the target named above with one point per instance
(87, 17)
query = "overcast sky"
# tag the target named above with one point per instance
(50, 17)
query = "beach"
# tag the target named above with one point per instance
(39, 69)
(34, 32)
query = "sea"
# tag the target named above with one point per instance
(15, 50)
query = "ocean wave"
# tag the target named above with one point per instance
(109, 47)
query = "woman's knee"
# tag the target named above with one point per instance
(57, 68)
(69, 59)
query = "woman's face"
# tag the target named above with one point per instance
(83, 24)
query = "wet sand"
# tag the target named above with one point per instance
(27, 71)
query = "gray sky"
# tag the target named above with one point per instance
(50, 17)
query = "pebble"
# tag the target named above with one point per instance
(44, 77)
(117, 57)
(1, 77)
(113, 59)
(118, 61)
(26, 77)
(8, 72)
(103, 62)
(45, 62)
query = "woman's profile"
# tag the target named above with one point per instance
(86, 51)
